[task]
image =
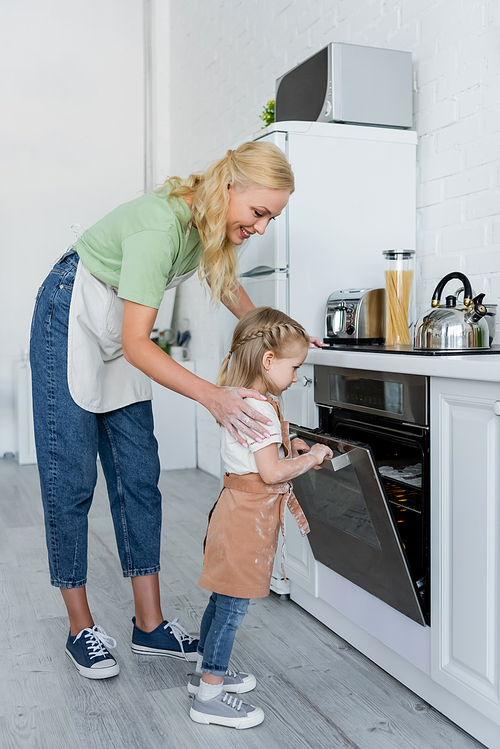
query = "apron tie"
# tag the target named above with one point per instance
(290, 500)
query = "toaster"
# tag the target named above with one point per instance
(355, 316)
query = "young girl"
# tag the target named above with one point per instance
(267, 349)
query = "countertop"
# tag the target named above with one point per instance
(482, 367)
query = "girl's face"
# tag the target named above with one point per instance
(283, 372)
(250, 211)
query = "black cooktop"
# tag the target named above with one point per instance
(379, 348)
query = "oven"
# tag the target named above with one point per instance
(368, 508)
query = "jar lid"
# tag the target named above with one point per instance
(405, 254)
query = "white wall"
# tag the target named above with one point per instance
(71, 145)
(226, 56)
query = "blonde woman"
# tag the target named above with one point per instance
(92, 360)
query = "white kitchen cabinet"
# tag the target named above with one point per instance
(300, 564)
(24, 406)
(175, 426)
(455, 663)
(298, 401)
(465, 522)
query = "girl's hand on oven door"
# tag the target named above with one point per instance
(299, 447)
(325, 454)
(315, 342)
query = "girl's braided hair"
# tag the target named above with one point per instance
(260, 330)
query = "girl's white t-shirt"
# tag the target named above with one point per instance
(238, 459)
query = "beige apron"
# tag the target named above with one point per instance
(243, 527)
(100, 379)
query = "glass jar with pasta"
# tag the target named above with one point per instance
(399, 304)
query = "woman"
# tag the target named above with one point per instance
(92, 360)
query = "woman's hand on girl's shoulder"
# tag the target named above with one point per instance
(231, 410)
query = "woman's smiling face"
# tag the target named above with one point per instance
(250, 211)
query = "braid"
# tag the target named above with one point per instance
(260, 330)
(273, 334)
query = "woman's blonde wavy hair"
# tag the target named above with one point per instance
(253, 164)
(260, 330)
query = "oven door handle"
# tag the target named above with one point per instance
(341, 461)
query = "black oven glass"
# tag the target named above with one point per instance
(400, 465)
(339, 503)
(360, 391)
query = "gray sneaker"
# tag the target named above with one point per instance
(234, 682)
(224, 710)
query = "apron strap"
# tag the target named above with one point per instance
(180, 256)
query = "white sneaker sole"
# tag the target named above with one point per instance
(245, 686)
(144, 650)
(95, 673)
(255, 719)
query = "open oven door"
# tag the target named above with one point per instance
(352, 528)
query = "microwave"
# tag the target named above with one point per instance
(348, 83)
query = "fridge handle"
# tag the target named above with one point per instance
(260, 270)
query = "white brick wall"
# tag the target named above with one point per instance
(225, 57)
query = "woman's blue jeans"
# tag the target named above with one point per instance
(68, 441)
(222, 617)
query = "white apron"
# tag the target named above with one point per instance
(100, 379)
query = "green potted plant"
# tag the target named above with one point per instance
(268, 113)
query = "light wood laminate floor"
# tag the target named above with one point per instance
(315, 689)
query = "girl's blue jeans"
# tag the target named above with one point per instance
(68, 441)
(222, 617)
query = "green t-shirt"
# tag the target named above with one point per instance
(140, 246)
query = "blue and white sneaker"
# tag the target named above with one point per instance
(169, 638)
(89, 653)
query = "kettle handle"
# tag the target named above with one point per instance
(436, 297)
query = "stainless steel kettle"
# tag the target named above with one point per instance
(453, 326)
